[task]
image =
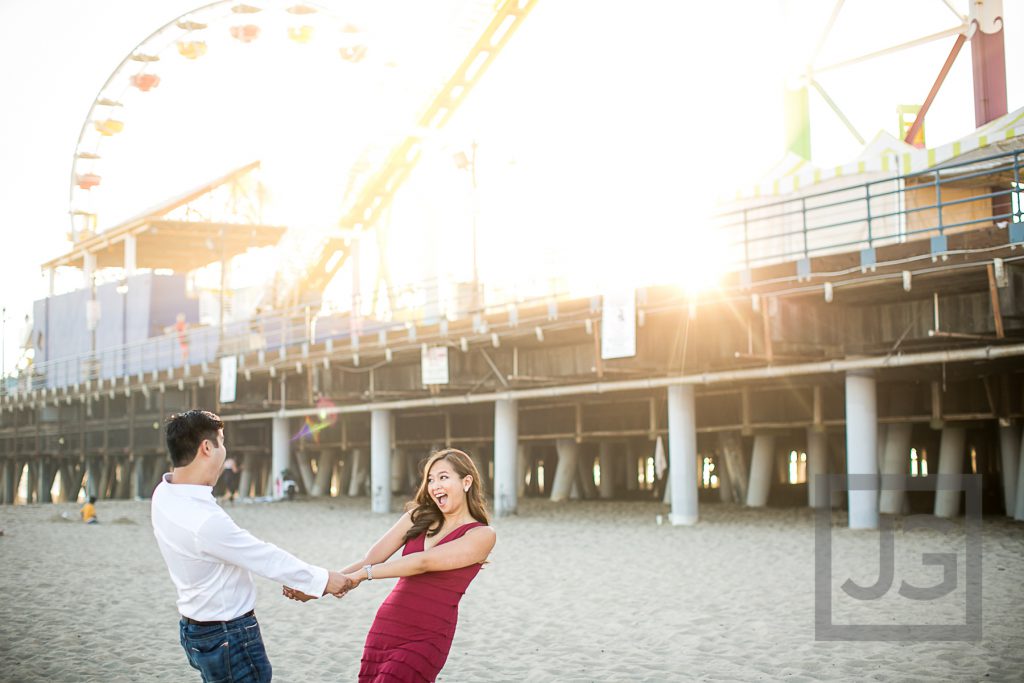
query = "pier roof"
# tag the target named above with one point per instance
(887, 155)
(163, 241)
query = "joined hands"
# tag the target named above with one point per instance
(338, 585)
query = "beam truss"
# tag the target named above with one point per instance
(378, 193)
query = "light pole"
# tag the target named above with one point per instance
(469, 164)
(3, 350)
(476, 201)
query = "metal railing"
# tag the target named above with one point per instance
(197, 345)
(276, 335)
(948, 198)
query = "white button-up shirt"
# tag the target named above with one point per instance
(212, 560)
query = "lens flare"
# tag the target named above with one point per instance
(311, 428)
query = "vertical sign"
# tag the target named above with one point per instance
(92, 314)
(434, 364)
(228, 378)
(618, 325)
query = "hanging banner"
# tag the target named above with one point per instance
(618, 325)
(434, 364)
(228, 378)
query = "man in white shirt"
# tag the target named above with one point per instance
(211, 559)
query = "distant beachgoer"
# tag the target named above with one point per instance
(230, 478)
(179, 327)
(446, 539)
(88, 511)
(211, 559)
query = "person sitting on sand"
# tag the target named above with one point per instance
(88, 511)
(445, 539)
(211, 560)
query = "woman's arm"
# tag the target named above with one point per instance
(386, 546)
(473, 548)
(379, 552)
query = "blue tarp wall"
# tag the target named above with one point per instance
(149, 307)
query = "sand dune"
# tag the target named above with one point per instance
(584, 591)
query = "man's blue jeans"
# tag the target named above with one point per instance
(232, 651)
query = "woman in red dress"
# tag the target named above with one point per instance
(445, 540)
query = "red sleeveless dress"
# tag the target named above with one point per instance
(412, 633)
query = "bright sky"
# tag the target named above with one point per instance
(605, 130)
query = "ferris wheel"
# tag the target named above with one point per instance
(192, 37)
(405, 68)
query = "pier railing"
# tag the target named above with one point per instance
(272, 336)
(930, 204)
(195, 346)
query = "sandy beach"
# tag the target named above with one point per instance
(585, 591)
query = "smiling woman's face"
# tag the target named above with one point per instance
(445, 487)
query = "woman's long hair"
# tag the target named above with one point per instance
(425, 515)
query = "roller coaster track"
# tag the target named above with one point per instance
(376, 194)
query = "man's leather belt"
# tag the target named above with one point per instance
(250, 613)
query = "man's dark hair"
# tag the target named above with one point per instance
(186, 431)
